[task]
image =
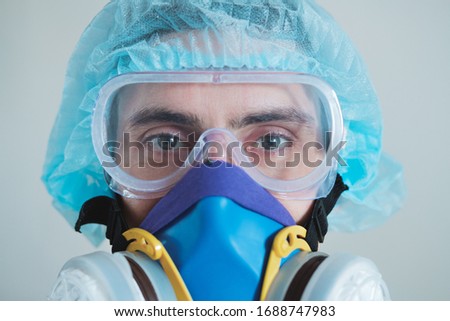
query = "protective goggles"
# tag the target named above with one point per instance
(283, 129)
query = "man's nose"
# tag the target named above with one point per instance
(220, 145)
(215, 151)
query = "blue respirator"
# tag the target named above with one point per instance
(224, 239)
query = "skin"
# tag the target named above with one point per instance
(215, 106)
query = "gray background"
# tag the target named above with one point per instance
(406, 45)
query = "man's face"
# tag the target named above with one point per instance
(273, 123)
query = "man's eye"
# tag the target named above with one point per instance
(273, 142)
(166, 141)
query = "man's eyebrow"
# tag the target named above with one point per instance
(288, 114)
(160, 114)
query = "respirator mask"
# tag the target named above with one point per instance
(219, 153)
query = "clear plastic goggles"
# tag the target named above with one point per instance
(283, 129)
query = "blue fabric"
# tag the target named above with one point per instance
(138, 35)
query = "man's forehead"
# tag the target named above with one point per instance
(162, 114)
(231, 99)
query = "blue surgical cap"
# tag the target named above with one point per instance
(156, 35)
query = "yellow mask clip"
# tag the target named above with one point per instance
(148, 244)
(286, 241)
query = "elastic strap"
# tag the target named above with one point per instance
(106, 211)
(317, 225)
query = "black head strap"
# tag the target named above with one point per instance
(317, 225)
(106, 211)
